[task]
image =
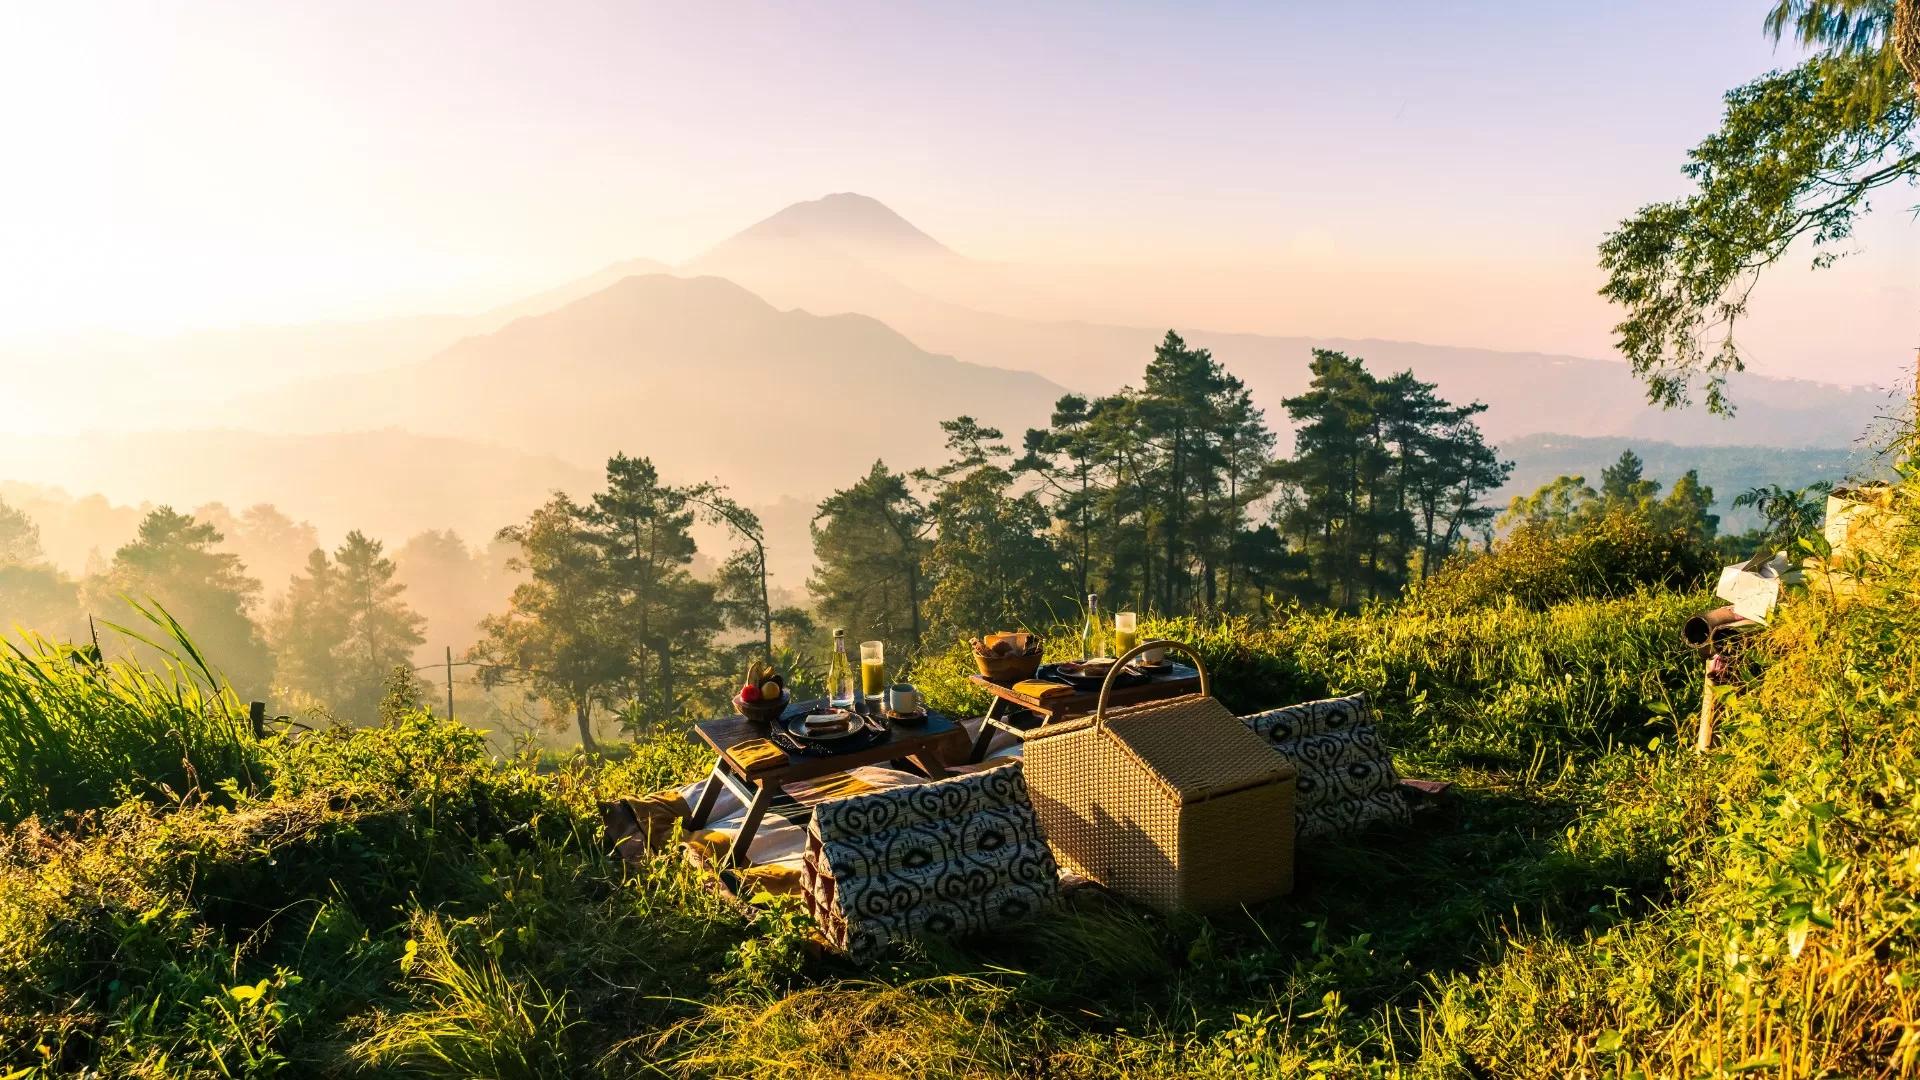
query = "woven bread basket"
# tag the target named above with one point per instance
(1008, 668)
(1172, 803)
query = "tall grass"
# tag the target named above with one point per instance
(1494, 683)
(78, 731)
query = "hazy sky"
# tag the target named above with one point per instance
(1443, 171)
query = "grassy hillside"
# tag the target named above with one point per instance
(394, 900)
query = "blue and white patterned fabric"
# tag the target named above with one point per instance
(951, 857)
(1347, 782)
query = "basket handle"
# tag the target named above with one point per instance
(1106, 684)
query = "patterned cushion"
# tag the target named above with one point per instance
(1347, 782)
(1323, 717)
(956, 856)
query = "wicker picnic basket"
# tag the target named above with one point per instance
(1172, 803)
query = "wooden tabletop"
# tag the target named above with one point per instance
(918, 741)
(1177, 680)
(926, 745)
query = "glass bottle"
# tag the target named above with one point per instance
(1090, 634)
(842, 687)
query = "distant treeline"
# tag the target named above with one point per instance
(1165, 498)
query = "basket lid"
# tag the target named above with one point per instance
(1195, 747)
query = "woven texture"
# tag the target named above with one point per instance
(1175, 804)
(1347, 782)
(957, 856)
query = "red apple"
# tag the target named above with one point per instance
(749, 692)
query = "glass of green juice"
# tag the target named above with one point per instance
(873, 669)
(1126, 632)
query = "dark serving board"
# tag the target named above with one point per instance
(1127, 677)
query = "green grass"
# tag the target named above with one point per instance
(1603, 901)
(78, 733)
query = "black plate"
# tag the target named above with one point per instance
(1127, 677)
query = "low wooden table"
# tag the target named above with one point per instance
(1017, 714)
(916, 745)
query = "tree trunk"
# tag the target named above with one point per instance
(583, 715)
(664, 650)
(1906, 38)
(766, 607)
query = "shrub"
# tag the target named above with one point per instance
(1536, 566)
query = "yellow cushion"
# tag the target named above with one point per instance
(654, 817)
(778, 879)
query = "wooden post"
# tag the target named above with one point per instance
(1705, 741)
(449, 682)
(257, 716)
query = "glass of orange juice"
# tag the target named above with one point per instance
(1126, 632)
(873, 669)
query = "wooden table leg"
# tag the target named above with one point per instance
(979, 752)
(930, 765)
(762, 795)
(709, 795)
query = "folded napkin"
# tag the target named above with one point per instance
(834, 786)
(757, 756)
(1041, 689)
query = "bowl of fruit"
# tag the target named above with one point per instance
(763, 696)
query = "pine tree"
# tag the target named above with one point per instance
(381, 631)
(991, 564)
(174, 562)
(34, 596)
(869, 541)
(1338, 467)
(643, 529)
(342, 627)
(307, 622)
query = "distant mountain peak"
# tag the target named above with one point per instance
(849, 221)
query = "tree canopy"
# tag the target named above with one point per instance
(1798, 158)
(174, 561)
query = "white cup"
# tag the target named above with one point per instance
(902, 698)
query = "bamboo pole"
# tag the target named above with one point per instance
(1705, 740)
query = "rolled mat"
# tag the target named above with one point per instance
(1709, 627)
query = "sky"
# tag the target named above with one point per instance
(1437, 172)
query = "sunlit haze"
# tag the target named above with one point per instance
(1436, 173)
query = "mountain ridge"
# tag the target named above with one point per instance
(699, 373)
(1590, 397)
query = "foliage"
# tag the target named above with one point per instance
(665, 617)
(1789, 513)
(19, 537)
(560, 635)
(1601, 899)
(868, 543)
(78, 732)
(609, 613)
(1541, 564)
(342, 626)
(991, 563)
(174, 563)
(1567, 505)
(1798, 157)
(1384, 473)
